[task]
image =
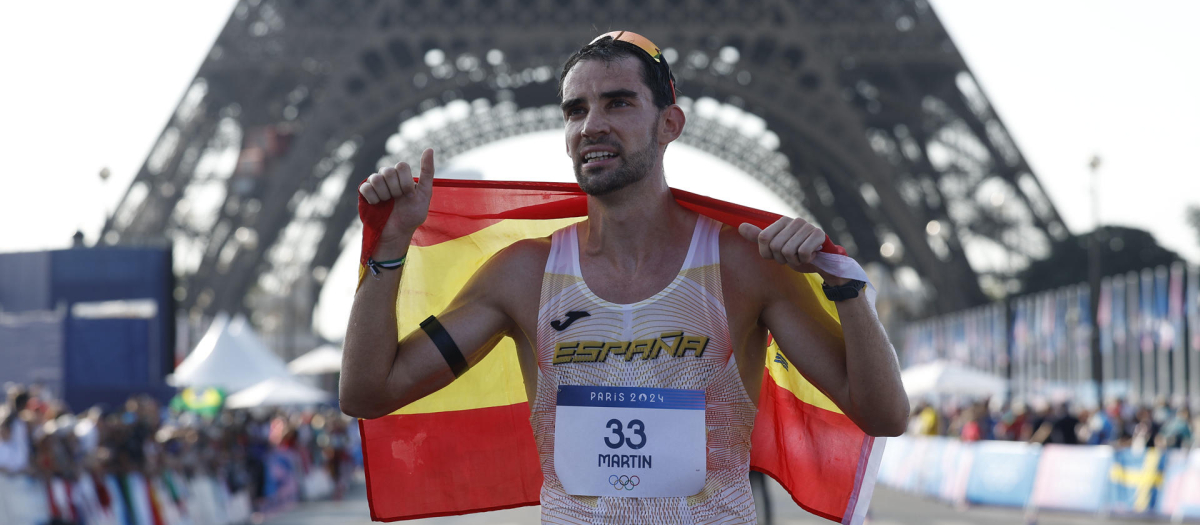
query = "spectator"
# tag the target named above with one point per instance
(1035, 421)
(1060, 427)
(1098, 429)
(1162, 410)
(986, 419)
(971, 429)
(1177, 432)
(1012, 422)
(1145, 429)
(925, 420)
(138, 458)
(14, 433)
(87, 431)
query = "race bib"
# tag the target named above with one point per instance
(629, 441)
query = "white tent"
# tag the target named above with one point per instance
(321, 360)
(229, 356)
(942, 377)
(278, 391)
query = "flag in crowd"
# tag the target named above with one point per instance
(1147, 318)
(1059, 370)
(1020, 342)
(1193, 314)
(1121, 340)
(1165, 334)
(1104, 322)
(1118, 309)
(1175, 324)
(1083, 319)
(1045, 320)
(1081, 361)
(999, 335)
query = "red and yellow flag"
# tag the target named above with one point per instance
(469, 447)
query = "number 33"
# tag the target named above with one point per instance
(635, 425)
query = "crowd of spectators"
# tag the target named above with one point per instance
(267, 455)
(1118, 423)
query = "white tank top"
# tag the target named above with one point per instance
(692, 304)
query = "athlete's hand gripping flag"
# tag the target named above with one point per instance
(469, 447)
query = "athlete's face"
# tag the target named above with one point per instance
(613, 126)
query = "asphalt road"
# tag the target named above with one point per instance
(888, 507)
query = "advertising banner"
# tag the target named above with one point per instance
(956, 467)
(1173, 333)
(909, 476)
(890, 465)
(931, 474)
(1174, 467)
(1002, 473)
(1182, 487)
(1071, 477)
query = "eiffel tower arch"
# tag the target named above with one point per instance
(866, 118)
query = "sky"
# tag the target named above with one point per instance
(90, 85)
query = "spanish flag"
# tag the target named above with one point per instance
(469, 447)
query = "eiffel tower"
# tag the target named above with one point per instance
(868, 120)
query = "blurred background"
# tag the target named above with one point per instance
(180, 234)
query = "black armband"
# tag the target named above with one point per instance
(445, 345)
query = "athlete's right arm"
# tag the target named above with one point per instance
(380, 375)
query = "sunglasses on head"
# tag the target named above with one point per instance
(646, 45)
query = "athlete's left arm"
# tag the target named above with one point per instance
(855, 366)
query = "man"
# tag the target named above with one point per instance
(1061, 427)
(642, 296)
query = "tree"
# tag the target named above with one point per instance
(1121, 250)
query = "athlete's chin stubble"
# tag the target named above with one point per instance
(633, 168)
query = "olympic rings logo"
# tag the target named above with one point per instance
(624, 482)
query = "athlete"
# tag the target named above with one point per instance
(642, 294)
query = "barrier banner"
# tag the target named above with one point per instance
(1183, 488)
(1002, 473)
(910, 468)
(1174, 466)
(930, 474)
(956, 465)
(893, 458)
(1135, 481)
(22, 500)
(934, 466)
(1071, 477)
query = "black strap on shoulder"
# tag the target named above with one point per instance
(441, 339)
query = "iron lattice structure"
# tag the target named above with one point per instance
(862, 114)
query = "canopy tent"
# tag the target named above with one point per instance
(229, 356)
(321, 360)
(943, 377)
(278, 391)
